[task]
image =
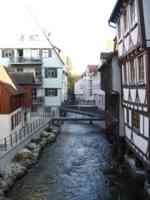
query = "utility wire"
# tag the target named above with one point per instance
(38, 24)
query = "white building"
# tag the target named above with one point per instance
(87, 88)
(97, 92)
(37, 55)
(79, 89)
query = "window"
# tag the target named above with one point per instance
(135, 119)
(20, 52)
(91, 87)
(15, 120)
(19, 117)
(141, 68)
(35, 54)
(7, 53)
(50, 73)
(12, 123)
(47, 109)
(132, 71)
(50, 92)
(132, 12)
(125, 73)
(34, 94)
(38, 75)
(127, 112)
(19, 69)
(46, 53)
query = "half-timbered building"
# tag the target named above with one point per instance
(131, 19)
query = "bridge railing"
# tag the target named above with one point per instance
(26, 131)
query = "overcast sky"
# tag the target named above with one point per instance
(78, 27)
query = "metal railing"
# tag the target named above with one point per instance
(7, 143)
(38, 100)
(23, 60)
(86, 102)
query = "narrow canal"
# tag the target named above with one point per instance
(72, 169)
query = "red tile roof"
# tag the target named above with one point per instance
(92, 68)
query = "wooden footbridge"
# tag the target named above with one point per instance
(82, 111)
(75, 119)
(82, 116)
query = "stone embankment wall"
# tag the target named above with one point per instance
(24, 159)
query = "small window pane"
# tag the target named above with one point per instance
(50, 73)
(35, 54)
(46, 53)
(135, 120)
(50, 92)
(141, 68)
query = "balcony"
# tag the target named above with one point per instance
(38, 81)
(38, 100)
(25, 61)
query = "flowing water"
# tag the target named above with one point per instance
(72, 169)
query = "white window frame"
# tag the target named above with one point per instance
(51, 72)
(45, 53)
(35, 53)
(51, 92)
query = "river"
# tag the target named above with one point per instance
(72, 169)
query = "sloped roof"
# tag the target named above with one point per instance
(115, 13)
(28, 41)
(23, 78)
(92, 68)
(8, 82)
(106, 55)
(10, 89)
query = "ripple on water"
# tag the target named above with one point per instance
(70, 169)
